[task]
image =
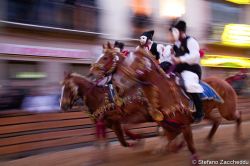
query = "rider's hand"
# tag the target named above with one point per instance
(176, 60)
(172, 51)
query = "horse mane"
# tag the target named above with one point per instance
(99, 88)
(150, 56)
(77, 75)
(81, 76)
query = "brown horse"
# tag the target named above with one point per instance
(164, 94)
(134, 109)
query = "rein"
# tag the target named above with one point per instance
(109, 71)
(131, 74)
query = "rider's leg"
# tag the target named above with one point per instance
(198, 115)
(166, 66)
(191, 82)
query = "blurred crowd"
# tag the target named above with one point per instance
(34, 99)
(47, 98)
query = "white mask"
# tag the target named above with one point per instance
(143, 40)
(176, 34)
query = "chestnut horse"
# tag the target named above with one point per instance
(163, 92)
(134, 109)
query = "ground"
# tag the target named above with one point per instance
(224, 148)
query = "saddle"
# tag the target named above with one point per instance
(208, 94)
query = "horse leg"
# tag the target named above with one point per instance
(101, 147)
(135, 137)
(167, 144)
(238, 128)
(132, 135)
(216, 120)
(188, 136)
(236, 116)
(101, 134)
(116, 126)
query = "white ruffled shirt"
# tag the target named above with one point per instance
(193, 57)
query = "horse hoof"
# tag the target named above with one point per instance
(159, 151)
(95, 162)
(178, 147)
(131, 145)
(139, 144)
(195, 159)
(209, 148)
(241, 141)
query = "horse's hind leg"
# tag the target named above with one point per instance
(166, 144)
(233, 115)
(238, 124)
(216, 120)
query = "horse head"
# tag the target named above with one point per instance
(70, 92)
(106, 63)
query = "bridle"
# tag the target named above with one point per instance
(74, 91)
(104, 68)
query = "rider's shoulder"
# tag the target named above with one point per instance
(191, 40)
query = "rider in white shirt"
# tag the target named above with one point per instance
(186, 57)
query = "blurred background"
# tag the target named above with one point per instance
(40, 39)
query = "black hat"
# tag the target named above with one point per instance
(119, 45)
(180, 25)
(149, 34)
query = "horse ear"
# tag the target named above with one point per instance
(103, 46)
(66, 74)
(109, 45)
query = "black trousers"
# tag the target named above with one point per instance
(197, 102)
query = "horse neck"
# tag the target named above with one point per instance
(92, 94)
(83, 83)
(158, 77)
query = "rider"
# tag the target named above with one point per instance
(159, 51)
(187, 60)
(107, 81)
(147, 44)
(119, 46)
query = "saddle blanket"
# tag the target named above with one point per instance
(209, 93)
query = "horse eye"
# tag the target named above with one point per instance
(105, 58)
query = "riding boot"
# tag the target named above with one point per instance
(198, 115)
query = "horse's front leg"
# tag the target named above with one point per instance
(188, 135)
(101, 133)
(116, 126)
(131, 135)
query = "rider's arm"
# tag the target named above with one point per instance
(137, 48)
(165, 56)
(193, 57)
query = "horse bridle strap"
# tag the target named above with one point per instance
(111, 69)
